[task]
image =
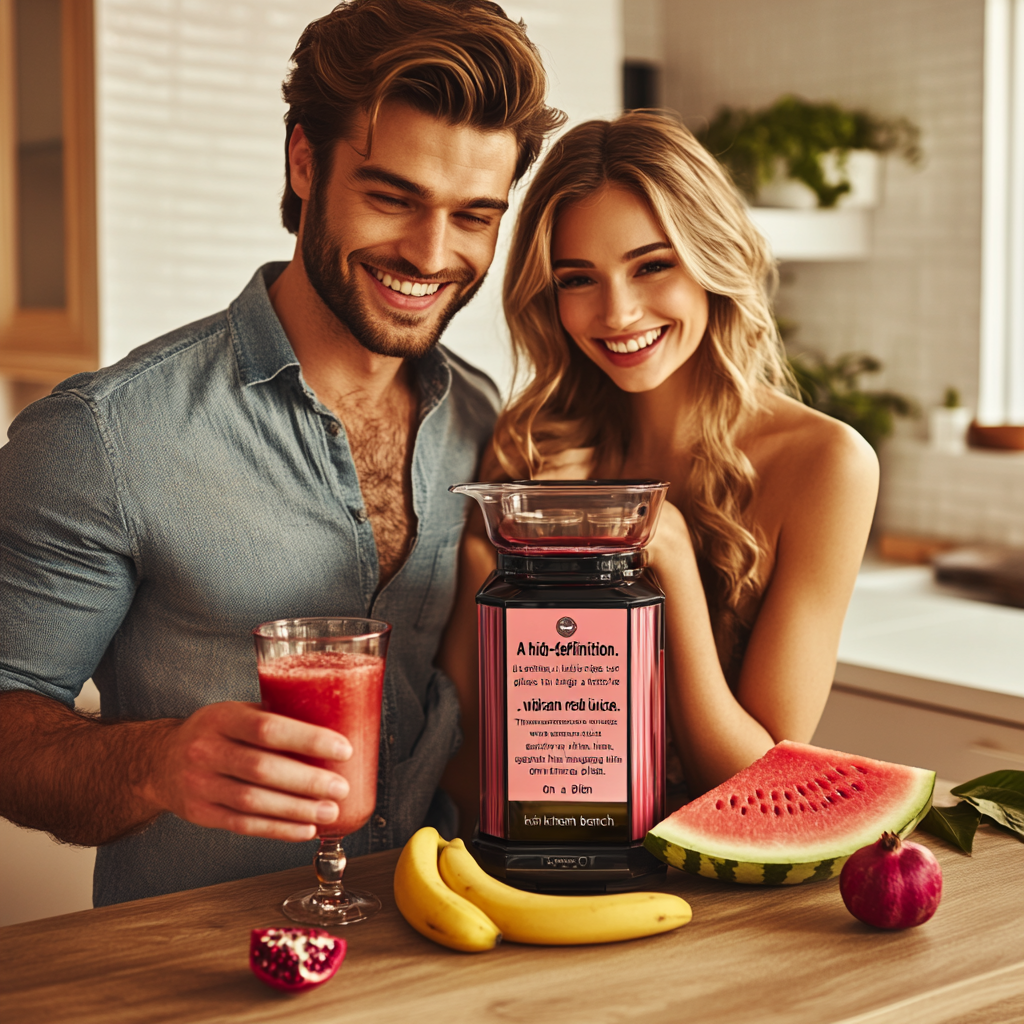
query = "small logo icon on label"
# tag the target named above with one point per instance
(565, 626)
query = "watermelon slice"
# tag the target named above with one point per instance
(794, 815)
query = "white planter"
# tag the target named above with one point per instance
(863, 170)
(947, 428)
(814, 234)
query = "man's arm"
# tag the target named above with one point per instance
(71, 564)
(225, 766)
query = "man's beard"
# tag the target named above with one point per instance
(386, 332)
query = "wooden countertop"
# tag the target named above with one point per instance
(770, 956)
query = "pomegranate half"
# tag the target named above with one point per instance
(892, 883)
(294, 959)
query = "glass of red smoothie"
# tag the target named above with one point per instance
(330, 671)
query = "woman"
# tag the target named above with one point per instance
(637, 295)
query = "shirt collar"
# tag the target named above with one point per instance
(433, 377)
(262, 349)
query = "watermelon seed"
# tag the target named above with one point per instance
(840, 770)
(803, 806)
(750, 800)
(853, 785)
(801, 790)
(789, 807)
(775, 794)
(863, 771)
(843, 793)
(719, 804)
(789, 796)
(764, 808)
(778, 811)
(743, 810)
(733, 800)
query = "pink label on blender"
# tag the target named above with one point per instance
(566, 694)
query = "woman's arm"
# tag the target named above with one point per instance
(825, 497)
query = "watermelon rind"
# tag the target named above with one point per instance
(751, 855)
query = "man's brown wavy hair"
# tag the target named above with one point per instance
(462, 61)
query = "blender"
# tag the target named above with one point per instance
(572, 697)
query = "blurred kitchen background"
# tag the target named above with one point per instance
(141, 162)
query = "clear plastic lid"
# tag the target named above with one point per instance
(556, 517)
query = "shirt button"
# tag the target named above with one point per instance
(362, 515)
(379, 821)
(391, 740)
(334, 428)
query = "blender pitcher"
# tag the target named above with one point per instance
(572, 697)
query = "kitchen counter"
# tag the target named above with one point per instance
(751, 954)
(927, 676)
(926, 642)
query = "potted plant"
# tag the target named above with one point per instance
(948, 423)
(833, 387)
(818, 145)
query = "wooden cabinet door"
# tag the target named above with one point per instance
(48, 289)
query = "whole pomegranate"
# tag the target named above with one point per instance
(892, 884)
(294, 959)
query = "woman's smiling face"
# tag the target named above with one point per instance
(623, 294)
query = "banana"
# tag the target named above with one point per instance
(560, 920)
(431, 907)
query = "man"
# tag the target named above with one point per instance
(287, 457)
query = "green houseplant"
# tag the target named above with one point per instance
(833, 387)
(796, 134)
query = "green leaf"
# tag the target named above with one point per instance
(999, 796)
(1008, 778)
(956, 825)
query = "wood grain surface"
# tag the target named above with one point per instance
(770, 956)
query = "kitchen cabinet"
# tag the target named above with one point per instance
(48, 287)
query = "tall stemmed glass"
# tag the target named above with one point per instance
(330, 671)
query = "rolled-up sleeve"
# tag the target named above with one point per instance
(69, 570)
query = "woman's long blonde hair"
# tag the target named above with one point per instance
(568, 402)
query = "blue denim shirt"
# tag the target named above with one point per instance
(152, 513)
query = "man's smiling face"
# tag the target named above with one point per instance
(396, 241)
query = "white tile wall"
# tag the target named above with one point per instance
(974, 496)
(915, 302)
(643, 30)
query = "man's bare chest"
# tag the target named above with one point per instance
(381, 451)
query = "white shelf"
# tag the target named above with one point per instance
(813, 235)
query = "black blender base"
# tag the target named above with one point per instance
(568, 867)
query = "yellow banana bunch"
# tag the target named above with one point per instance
(560, 920)
(431, 907)
(457, 904)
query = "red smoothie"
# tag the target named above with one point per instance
(343, 692)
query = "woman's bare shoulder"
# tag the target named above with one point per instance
(807, 462)
(788, 438)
